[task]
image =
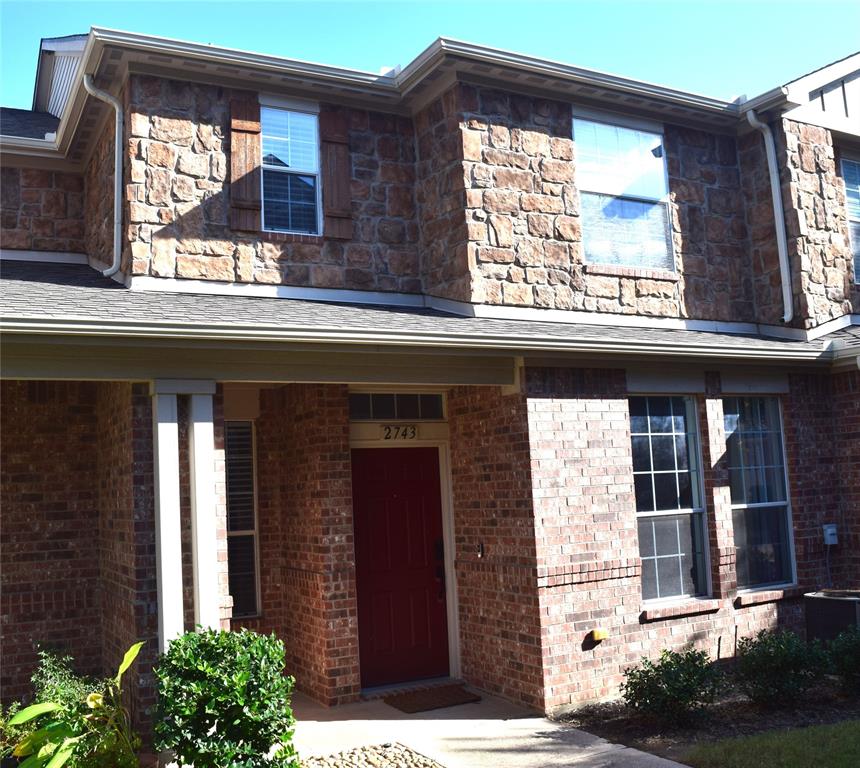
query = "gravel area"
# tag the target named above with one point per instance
(382, 756)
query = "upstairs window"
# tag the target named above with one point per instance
(851, 176)
(621, 175)
(291, 171)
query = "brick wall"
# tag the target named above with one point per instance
(306, 539)
(49, 580)
(500, 642)
(178, 199)
(98, 198)
(846, 449)
(41, 210)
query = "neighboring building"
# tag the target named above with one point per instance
(430, 373)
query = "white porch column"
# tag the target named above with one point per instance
(168, 533)
(201, 445)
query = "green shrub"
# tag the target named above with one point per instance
(775, 668)
(674, 687)
(223, 699)
(844, 653)
(76, 721)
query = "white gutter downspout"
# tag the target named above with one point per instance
(778, 213)
(117, 173)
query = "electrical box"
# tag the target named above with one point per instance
(831, 538)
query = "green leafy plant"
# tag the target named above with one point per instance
(674, 687)
(844, 654)
(223, 699)
(77, 721)
(775, 668)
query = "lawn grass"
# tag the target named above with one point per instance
(819, 746)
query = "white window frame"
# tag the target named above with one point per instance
(303, 107)
(789, 518)
(255, 531)
(702, 510)
(648, 126)
(854, 159)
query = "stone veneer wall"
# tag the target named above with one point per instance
(178, 199)
(817, 222)
(98, 197)
(524, 230)
(500, 642)
(307, 560)
(41, 210)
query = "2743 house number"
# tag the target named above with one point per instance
(399, 432)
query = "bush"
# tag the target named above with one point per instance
(845, 658)
(775, 668)
(223, 700)
(77, 721)
(673, 688)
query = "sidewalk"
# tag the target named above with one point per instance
(491, 733)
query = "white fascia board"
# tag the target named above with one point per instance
(43, 257)
(166, 330)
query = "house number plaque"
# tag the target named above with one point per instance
(399, 431)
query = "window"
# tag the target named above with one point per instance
(381, 405)
(851, 176)
(291, 189)
(669, 509)
(242, 561)
(759, 500)
(621, 175)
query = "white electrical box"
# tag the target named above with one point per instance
(831, 538)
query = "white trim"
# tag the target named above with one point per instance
(616, 118)
(168, 531)
(447, 501)
(183, 387)
(204, 535)
(45, 257)
(832, 325)
(293, 105)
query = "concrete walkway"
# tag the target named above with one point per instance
(492, 733)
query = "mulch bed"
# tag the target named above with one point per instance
(383, 756)
(730, 716)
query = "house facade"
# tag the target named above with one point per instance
(432, 373)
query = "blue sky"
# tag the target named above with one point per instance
(720, 48)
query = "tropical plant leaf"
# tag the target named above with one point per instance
(29, 713)
(128, 659)
(62, 755)
(32, 742)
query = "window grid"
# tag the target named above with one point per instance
(237, 433)
(738, 414)
(306, 170)
(851, 178)
(682, 424)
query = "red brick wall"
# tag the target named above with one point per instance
(498, 604)
(41, 210)
(49, 551)
(846, 446)
(306, 538)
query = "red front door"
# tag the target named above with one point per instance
(400, 569)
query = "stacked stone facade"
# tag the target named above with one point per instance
(41, 210)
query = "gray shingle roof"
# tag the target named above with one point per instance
(26, 123)
(55, 296)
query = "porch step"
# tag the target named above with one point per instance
(381, 691)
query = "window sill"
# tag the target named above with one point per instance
(290, 237)
(649, 274)
(759, 596)
(691, 607)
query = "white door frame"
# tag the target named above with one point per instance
(361, 438)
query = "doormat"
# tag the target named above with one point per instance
(431, 698)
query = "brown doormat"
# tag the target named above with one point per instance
(431, 698)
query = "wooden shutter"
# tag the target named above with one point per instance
(245, 164)
(335, 174)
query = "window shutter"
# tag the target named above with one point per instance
(245, 164)
(336, 173)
